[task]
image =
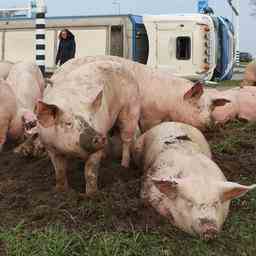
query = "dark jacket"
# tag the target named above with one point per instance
(67, 48)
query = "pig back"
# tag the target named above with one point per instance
(5, 67)
(166, 135)
(27, 84)
(64, 72)
(8, 104)
(82, 87)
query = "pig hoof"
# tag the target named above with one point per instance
(125, 164)
(61, 188)
(87, 195)
(91, 192)
(83, 196)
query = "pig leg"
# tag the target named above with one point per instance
(60, 165)
(3, 133)
(128, 122)
(148, 124)
(91, 172)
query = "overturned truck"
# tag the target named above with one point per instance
(194, 46)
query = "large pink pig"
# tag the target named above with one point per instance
(76, 116)
(5, 67)
(242, 104)
(19, 95)
(181, 182)
(247, 103)
(27, 84)
(163, 96)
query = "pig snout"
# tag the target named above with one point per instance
(208, 229)
(99, 141)
(92, 143)
(29, 123)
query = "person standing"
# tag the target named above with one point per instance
(67, 47)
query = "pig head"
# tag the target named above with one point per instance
(67, 132)
(197, 212)
(196, 107)
(241, 106)
(66, 135)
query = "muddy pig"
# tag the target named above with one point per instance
(164, 97)
(76, 116)
(181, 182)
(242, 104)
(19, 95)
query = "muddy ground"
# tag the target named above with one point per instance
(27, 192)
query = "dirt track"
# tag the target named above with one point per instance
(27, 188)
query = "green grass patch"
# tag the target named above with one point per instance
(56, 241)
(229, 83)
(237, 136)
(230, 145)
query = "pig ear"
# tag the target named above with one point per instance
(167, 187)
(231, 190)
(97, 102)
(219, 103)
(195, 92)
(46, 114)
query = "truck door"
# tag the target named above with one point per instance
(116, 44)
(174, 48)
(141, 49)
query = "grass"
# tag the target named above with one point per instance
(244, 63)
(229, 83)
(232, 143)
(56, 241)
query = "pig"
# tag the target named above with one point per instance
(8, 111)
(19, 94)
(181, 182)
(5, 67)
(247, 103)
(164, 97)
(61, 74)
(223, 114)
(76, 116)
(250, 75)
(241, 106)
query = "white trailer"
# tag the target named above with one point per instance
(194, 46)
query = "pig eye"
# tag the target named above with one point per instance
(215, 204)
(190, 204)
(68, 124)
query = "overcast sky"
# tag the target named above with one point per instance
(87, 7)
